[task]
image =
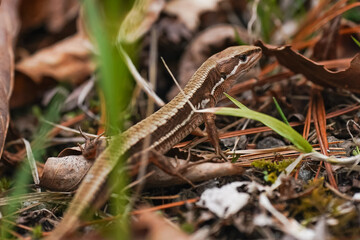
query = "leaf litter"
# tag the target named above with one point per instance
(259, 193)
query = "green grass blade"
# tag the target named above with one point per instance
(276, 125)
(236, 102)
(116, 86)
(282, 115)
(22, 176)
(281, 128)
(356, 41)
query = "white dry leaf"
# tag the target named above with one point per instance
(356, 197)
(188, 11)
(224, 201)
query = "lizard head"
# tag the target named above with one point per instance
(232, 63)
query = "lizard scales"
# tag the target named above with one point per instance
(166, 127)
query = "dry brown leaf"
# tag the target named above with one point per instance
(9, 25)
(347, 79)
(53, 14)
(20, 95)
(64, 173)
(325, 48)
(68, 60)
(140, 19)
(189, 11)
(152, 226)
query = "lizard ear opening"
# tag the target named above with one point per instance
(223, 75)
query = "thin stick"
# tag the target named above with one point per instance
(178, 86)
(139, 79)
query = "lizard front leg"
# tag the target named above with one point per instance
(209, 120)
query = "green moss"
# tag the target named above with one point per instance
(321, 202)
(37, 232)
(4, 184)
(188, 227)
(271, 168)
(356, 151)
(270, 177)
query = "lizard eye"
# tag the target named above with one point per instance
(223, 75)
(243, 58)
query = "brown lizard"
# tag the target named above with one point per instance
(166, 127)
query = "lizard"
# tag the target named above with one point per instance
(166, 127)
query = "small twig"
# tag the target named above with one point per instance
(337, 192)
(355, 97)
(331, 159)
(82, 96)
(253, 18)
(69, 129)
(138, 78)
(138, 180)
(348, 129)
(178, 86)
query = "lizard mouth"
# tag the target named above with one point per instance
(256, 57)
(253, 59)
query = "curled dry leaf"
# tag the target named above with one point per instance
(197, 173)
(347, 79)
(189, 11)
(69, 60)
(70, 151)
(9, 25)
(64, 173)
(205, 44)
(140, 19)
(152, 226)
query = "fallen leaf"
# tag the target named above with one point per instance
(20, 96)
(225, 201)
(64, 173)
(69, 59)
(189, 11)
(152, 226)
(53, 14)
(347, 79)
(325, 48)
(9, 25)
